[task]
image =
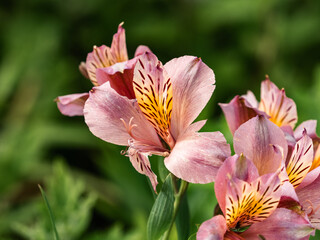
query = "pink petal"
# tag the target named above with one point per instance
(237, 112)
(277, 105)
(310, 127)
(118, 45)
(193, 84)
(153, 90)
(73, 104)
(100, 57)
(231, 166)
(258, 139)
(120, 76)
(212, 229)
(104, 56)
(141, 50)
(283, 224)
(141, 163)
(311, 176)
(300, 161)
(196, 157)
(309, 197)
(103, 113)
(251, 99)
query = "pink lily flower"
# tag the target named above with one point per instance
(159, 119)
(249, 205)
(274, 104)
(257, 138)
(113, 66)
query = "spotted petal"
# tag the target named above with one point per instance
(247, 203)
(281, 109)
(301, 160)
(141, 163)
(235, 166)
(104, 56)
(153, 91)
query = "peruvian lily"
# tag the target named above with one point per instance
(260, 140)
(114, 67)
(249, 206)
(159, 119)
(274, 104)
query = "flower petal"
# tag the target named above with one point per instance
(73, 104)
(118, 45)
(232, 166)
(153, 90)
(104, 56)
(259, 140)
(141, 50)
(310, 126)
(141, 163)
(251, 99)
(283, 224)
(237, 112)
(248, 203)
(212, 229)
(196, 157)
(300, 161)
(120, 76)
(193, 84)
(309, 197)
(281, 109)
(112, 117)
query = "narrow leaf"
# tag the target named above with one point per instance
(161, 212)
(183, 219)
(193, 237)
(56, 235)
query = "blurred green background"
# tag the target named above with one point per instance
(93, 190)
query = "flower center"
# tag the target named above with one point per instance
(153, 92)
(250, 203)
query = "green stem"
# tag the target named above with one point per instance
(178, 197)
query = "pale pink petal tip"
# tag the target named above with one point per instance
(193, 84)
(73, 104)
(196, 157)
(263, 142)
(237, 112)
(141, 50)
(283, 224)
(213, 229)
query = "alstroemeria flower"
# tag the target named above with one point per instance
(158, 121)
(113, 66)
(274, 104)
(249, 205)
(257, 138)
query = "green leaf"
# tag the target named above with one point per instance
(183, 219)
(161, 212)
(193, 236)
(50, 213)
(163, 171)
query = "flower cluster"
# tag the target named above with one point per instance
(268, 190)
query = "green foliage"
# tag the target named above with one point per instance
(161, 212)
(70, 207)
